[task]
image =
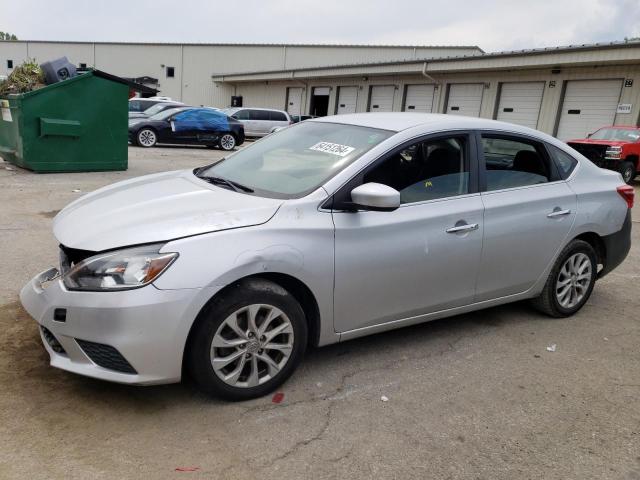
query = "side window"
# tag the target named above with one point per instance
(511, 163)
(242, 115)
(564, 162)
(258, 115)
(134, 106)
(277, 116)
(426, 170)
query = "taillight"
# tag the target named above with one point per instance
(627, 193)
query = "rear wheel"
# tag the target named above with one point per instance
(570, 281)
(628, 171)
(146, 138)
(248, 341)
(227, 142)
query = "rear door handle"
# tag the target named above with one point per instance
(558, 213)
(463, 228)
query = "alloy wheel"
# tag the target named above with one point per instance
(227, 142)
(627, 174)
(147, 138)
(252, 345)
(574, 280)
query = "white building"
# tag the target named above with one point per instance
(565, 91)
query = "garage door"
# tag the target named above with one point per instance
(587, 106)
(294, 100)
(347, 100)
(382, 98)
(465, 99)
(419, 98)
(520, 103)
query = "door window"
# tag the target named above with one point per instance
(511, 163)
(426, 170)
(258, 115)
(241, 115)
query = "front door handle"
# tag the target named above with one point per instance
(463, 228)
(558, 213)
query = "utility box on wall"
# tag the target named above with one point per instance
(236, 101)
(76, 125)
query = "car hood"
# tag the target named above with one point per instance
(156, 208)
(589, 141)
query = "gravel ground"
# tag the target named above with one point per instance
(476, 396)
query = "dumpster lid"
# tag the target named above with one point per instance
(133, 85)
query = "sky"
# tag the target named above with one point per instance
(494, 25)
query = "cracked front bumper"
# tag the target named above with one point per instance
(147, 326)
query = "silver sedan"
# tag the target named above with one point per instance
(329, 230)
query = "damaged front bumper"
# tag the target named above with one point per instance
(133, 337)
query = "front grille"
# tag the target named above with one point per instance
(106, 356)
(52, 341)
(595, 153)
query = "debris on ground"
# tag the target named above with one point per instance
(278, 397)
(9, 168)
(24, 78)
(76, 191)
(187, 469)
(384, 398)
(551, 348)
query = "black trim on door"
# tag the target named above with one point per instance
(342, 197)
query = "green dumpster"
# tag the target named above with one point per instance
(77, 125)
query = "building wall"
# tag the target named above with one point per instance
(195, 64)
(273, 93)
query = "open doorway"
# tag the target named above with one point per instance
(320, 102)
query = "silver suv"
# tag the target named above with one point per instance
(259, 122)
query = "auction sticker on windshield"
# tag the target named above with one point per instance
(332, 148)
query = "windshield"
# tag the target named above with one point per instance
(229, 111)
(165, 114)
(157, 108)
(297, 160)
(618, 134)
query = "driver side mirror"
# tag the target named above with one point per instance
(375, 197)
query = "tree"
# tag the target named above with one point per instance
(7, 36)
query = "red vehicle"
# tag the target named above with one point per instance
(616, 148)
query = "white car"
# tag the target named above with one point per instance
(259, 122)
(329, 230)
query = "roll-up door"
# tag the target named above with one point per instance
(419, 98)
(520, 103)
(382, 98)
(347, 100)
(587, 106)
(465, 99)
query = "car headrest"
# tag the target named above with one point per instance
(442, 161)
(530, 162)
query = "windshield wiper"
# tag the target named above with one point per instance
(238, 187)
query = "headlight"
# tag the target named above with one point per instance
(613, 152)
(119, 270)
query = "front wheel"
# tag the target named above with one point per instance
(570, 281)
(628, 171)
(247, 341)
(227, 142)
(146, 138)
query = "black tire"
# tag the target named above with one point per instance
(628, 171)
(242, 294)
(548, 302)
(227, 142)
(146, 138)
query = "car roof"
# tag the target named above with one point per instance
(255, 108)
(398, 121)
